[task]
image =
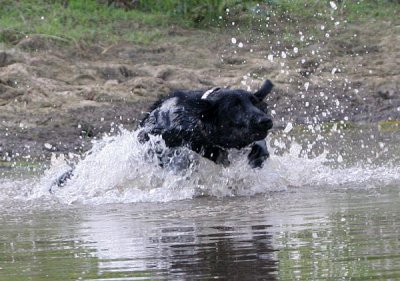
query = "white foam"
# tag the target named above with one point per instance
(119, 169)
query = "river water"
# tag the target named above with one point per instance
(324, 206)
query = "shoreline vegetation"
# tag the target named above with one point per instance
(91, 21)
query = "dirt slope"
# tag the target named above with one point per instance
(56, 98)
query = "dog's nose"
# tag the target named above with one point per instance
(265, 123)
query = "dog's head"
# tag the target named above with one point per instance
(235, 118)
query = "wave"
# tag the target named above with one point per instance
(119, 169)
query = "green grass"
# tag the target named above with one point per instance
(389, 126)
(80, 21)
(365, 10)
(352, 10)
(89, 21)
(197, 10)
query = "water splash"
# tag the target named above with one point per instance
(118, 169)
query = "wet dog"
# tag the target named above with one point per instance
(209, 122)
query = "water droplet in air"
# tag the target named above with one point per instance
(288, 128)
(333, 5)
(48, 146)
(233, 40)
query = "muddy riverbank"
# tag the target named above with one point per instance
(58, 98)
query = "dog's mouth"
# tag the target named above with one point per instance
(257, 132)
(241, 139)
(259, 136)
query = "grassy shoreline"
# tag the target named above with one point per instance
(90, 21)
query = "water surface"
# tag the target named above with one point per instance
(312, 213)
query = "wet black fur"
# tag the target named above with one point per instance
(227, 118)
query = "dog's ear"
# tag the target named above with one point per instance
(264, 90)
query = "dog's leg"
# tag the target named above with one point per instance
(217, 155)
(258, 154)
(60, 181)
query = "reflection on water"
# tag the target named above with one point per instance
(358, 239)
(201, 239)
(299, 234)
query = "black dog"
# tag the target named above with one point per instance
(210, 122)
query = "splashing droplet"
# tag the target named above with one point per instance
(48, 146)
(288, 128)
